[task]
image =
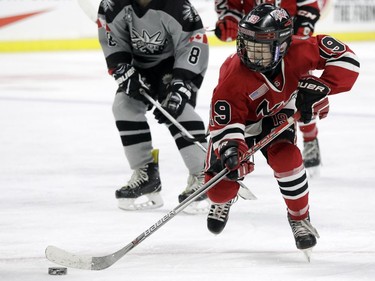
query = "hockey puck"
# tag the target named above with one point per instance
(57, 270)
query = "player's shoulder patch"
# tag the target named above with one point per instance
(181, 10)
(111, 8)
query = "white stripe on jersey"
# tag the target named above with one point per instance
(345, 64)
(228, 135)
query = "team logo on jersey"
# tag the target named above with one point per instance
(146, 43)
(107, 5)
(189, 13)
(264, 109)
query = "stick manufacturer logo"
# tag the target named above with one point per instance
(160, 222)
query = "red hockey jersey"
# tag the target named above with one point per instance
(244, 97)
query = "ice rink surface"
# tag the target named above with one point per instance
(61, 161)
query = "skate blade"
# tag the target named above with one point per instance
(198, 207)
(307, 253)
(246, 194)
(145, 202)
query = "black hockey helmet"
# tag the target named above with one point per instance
(264, 36)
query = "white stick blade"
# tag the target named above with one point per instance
(67, 259)
(246, 194)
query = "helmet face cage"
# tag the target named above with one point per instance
(258, 56)
(264, 36)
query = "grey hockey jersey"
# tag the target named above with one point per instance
(144, 37)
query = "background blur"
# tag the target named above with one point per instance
(39, 25)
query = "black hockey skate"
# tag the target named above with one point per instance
(218, 216)
(304, 235)
(201, 204)
(144, 184)
(311, 157)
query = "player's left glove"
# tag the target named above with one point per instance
(231, 154)
(175, 101)
(305, 21)
(131, 81)
(312, 98)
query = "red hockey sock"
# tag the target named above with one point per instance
(286, 161)
(309, 131)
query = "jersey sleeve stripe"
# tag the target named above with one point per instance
(348, 61)
(232, 131)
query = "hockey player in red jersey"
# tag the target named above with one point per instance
(258, 89)
(305, 14)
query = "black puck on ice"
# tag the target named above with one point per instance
(57, 270)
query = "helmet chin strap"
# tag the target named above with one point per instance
(277, 53)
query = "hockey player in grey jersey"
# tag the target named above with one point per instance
(158, 47)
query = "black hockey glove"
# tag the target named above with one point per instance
(312, 98)
(305, 21)
(175, 101)
(231, 154)
(131, 82)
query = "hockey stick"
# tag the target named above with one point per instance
(65, 258)
(185, 132)
(88, 8)
(62, 257)
(244, 192)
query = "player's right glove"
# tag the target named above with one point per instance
(226, 29)
(131, 81)
(312, 98)
(174, 103)
(231, 153)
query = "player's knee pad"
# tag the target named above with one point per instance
(126, 108)
(284, 156)
(223, 191)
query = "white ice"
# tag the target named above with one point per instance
(61, 161)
